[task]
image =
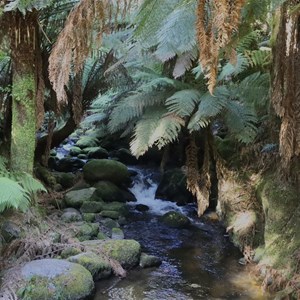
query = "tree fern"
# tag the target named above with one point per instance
(26, 5)
(259, 58)
(183, 103)
(210, 106)
(133, 106)
(177, 34)
(241, 121)
(156, 127)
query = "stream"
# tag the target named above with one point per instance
(198, 262)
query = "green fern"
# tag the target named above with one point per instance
(156, 127)
(209, 107)
(259, 58)
(241, 121)
(183, 103)
(26, 5)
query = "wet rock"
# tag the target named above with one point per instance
(76, 198)
(75, 151)
(69, 164)
(91, 207)
(142, 207)
(110, 214)
(175, 219)
(127, 196)
(126, 252)
(86, 141)
(117, 234)
(98, 266)
(98, 153)
(82, 156)
(71, 215)
(54, 279)
(124, 155)
(109, 223)
(86, 231)
(10, 231)
(172, 187)
(107, 170)
(66, 180)
(147, 261)
(107, 191)
(89, 217)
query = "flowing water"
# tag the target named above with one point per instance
(198, 262)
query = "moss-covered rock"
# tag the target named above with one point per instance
(117, 234)
(89, 217)
(105, 169)
(107, 191)
(66, 180)
(76, 198)
(175, 219)
(91, 207)
(102, 236)
(126, 252)
(71, 215)
(71, 251)
(110, 214)
(75, 151)
(97, 153)
(87, 141)
(121, 208)
(10, 231)
(86, 231)
(147, 261)
(82, 156)
(109, 223)
(54, 279)
(68, 164)
(98, 266)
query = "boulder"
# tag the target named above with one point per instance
(87, 141)
(86, 231)
(105, 169)
(175, 219)
(91, 207)
(82, 156)
(54, 279)
(117, 234)
(102, 236)
(124, 155)
(172, 187)
(98, 266)
(76, 198)
(71, 251)
(97, 153)
(68, 164)
(89, 217)
(109, 223)
(121, 208)
(10, 231)
(147, 261)
(107, 191)
(75, 151)
(126, 252)
(66, 180)
(142, 207)
(110, 214)
(71, 215)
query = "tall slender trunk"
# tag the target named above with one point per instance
(23, 34)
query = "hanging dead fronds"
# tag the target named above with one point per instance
(85, 26)
(217, 21)
(286, 85)
(198, 181)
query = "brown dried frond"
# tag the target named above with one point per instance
(217, 21)
(198, 182)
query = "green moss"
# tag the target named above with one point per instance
(110, 214)
(89, 217)
(23, 124)
(282, 221)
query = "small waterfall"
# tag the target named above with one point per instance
(144, 188)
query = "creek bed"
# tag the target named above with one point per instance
(198, 262)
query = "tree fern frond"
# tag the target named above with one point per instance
(24, 6)
(12, 195)
(248, 41)
(156, 127)
(177, 34)
(234, 70)
(184, 62)
(210, 106)
(133, 106)
(241, 121)
(259, 58)
(183, 103)
(30, 184)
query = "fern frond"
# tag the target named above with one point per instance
(133, 106)
(183, 103)
(259, 58)
(210, 106)
(177, 34)
(184, 62)
(241, 121)
(12, 195)
(30, 184)
(234, 70)
(156, 127)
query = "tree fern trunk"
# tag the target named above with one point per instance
(286, 86)
(23, 34)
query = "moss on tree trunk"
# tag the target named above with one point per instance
(23, 44)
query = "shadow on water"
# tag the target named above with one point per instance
(198, 262)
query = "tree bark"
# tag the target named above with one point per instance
(23, 35)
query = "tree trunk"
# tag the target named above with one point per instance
(286, 87)
(23, 35)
